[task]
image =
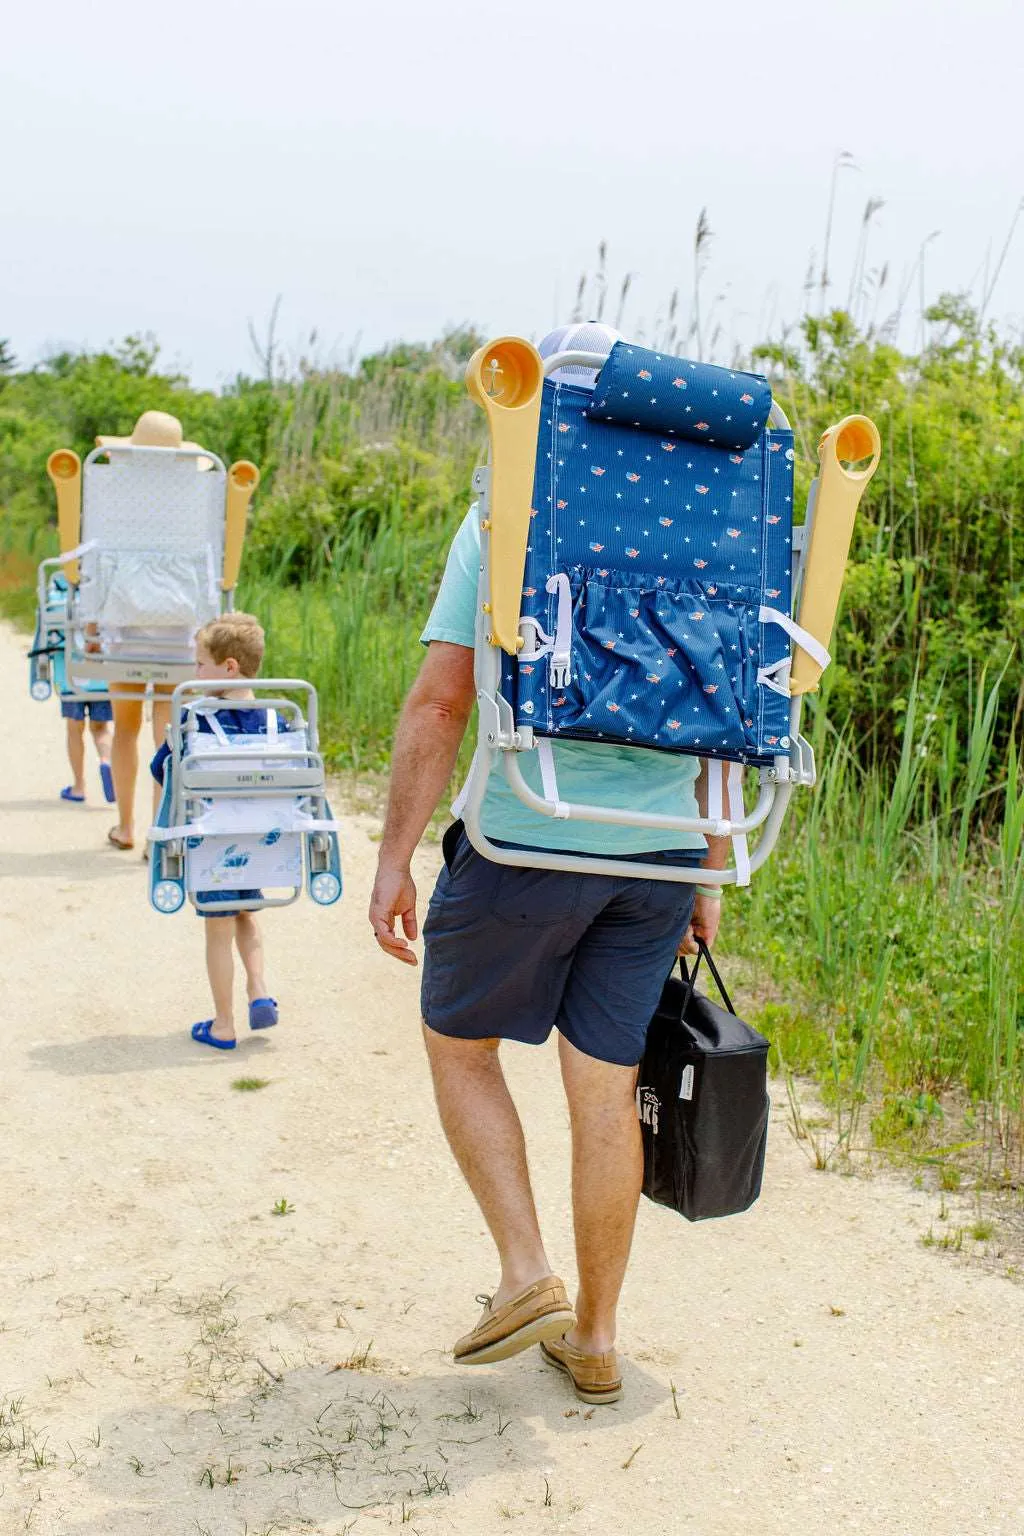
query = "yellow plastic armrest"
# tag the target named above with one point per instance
(838, 495)
(64, 468)
(506, 378)
(243, 478)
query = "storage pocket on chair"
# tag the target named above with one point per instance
(660, 662)
(151, 587)
(245, 843)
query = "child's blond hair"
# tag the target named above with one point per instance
(234, 634)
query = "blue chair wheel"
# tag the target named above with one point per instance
(325, 888)
(168, 895)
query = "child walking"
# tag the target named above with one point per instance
(230, 647)
(74, 713)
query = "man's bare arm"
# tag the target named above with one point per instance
(718, 847)
(430, 731)
(707, 910)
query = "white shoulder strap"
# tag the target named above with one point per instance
(210, 716)
(546, 759)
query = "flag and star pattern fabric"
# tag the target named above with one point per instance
(668, 538)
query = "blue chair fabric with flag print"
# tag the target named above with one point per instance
(661, 550)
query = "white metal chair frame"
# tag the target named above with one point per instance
(230, 774)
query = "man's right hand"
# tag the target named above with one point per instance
(394, 895)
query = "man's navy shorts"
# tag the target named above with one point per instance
(515, 953)
(100, 711)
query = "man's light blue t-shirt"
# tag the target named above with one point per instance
(656, 782)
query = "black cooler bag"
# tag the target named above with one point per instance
(703, 1103)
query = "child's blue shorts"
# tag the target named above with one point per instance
(100, 711)
(226, 897)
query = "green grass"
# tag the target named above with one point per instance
(250, 1084)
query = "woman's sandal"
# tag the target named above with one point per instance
(68, 793)
(201, 1033)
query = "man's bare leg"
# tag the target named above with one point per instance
(486, 1137)
(607, 1174)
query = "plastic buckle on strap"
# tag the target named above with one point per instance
(561, 654)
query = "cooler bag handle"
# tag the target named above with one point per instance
(690, 977)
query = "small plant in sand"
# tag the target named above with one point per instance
(250, 1084)
(282, 1207)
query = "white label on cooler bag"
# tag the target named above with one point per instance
(647, 1106)
(686, 1086)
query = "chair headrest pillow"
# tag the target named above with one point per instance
(698, 402)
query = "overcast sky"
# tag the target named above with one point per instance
(393, 168)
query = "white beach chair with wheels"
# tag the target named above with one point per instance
(244, 813)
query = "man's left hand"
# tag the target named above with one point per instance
(703, 925)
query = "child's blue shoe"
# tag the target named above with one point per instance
(107, 780)
(262, 1013)
(201, 1032)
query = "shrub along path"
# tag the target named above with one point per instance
(168, 1341)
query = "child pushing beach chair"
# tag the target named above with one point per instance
(639, 566)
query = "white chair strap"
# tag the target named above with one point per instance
(459, 803)
(202, 827)
(737, 811)
(715, 806)
(216, 729)
(210, 716)
(801, 637)
(776, 677)
(548, 778)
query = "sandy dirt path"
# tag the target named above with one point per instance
(167, 1342)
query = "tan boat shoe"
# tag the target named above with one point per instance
(540, 1312)
(595, 1377)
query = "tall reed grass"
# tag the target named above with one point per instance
(891, 924)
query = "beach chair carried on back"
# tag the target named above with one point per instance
(151, 532)
(639, 565)
(46, 658)
(245, 813)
